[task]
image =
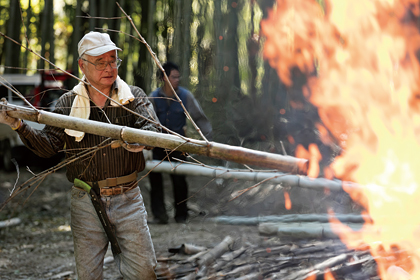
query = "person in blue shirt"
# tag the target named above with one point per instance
(171, 115)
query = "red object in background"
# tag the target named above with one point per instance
(36, 99)
(53, 84)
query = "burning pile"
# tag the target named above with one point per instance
(366, 87)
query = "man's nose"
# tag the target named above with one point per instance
(110, 67)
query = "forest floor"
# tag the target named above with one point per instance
(41, 246)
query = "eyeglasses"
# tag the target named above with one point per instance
(101, 66)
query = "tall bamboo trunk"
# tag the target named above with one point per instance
(186, 38)
(151, 38)
(93, 13)
(12, 54)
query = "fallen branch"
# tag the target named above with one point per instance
(238, 271)
(38, 178)
(233, 255)
(250, 276)
(62, 274)
(216, 252)
(187, 249)
(321, 267)
(351, 267)
(274, 260)
(10, 222)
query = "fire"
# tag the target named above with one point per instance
(314, 157)
(366, 87)
(287, 201)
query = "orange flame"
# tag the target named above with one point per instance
(287, 201)
(367, 90)
(328, 276)
(314, 157)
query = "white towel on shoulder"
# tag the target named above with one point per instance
(81, 103)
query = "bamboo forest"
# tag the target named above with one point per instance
(218, 45)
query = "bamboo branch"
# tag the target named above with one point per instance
(153, 54)
(38, 178)
(149, 138)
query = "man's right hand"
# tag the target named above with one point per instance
(134, 147)
(5, 118)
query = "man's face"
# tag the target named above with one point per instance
(100, 79)
(174, 77)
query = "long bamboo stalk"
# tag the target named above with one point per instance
(241, 155)
(252, 176)
(290, 218)
(305, 230)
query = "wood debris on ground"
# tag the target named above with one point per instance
(273, 258)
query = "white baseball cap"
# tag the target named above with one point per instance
(95, 44)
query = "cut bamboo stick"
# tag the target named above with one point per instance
(318, 268)
(10, 222)
(216, 252)
(132, 135)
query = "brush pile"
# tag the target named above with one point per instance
(274, 256)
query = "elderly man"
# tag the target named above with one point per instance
(111, 171)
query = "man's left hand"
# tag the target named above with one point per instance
(6, 119)
(134, 148)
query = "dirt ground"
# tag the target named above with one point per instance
(41, 246)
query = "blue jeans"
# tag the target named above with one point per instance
(128, 214)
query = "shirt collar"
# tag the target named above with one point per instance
(162, 93)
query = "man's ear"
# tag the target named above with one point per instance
(81, 65)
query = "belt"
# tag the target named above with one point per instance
(116, 190)
(113, 182)
(118, 185)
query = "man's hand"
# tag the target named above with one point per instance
(5, 118)
(134, 148)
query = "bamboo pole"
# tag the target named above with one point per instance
(290, 218)
(311, 230)
(149, 138)
(248, 175)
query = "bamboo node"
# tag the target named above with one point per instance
(122, 133)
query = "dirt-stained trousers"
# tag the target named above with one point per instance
(128, 214)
